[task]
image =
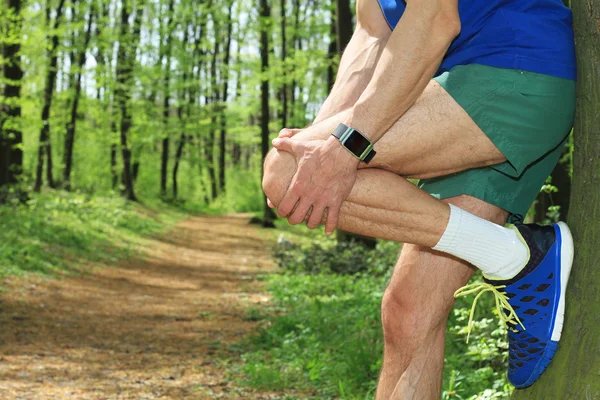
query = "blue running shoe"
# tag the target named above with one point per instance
(533, 302)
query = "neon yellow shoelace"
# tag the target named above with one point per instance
(501, 303)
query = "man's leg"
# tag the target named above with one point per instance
(434, 137)
(414, 312)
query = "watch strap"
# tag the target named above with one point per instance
(343, 132)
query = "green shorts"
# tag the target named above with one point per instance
(527, 116)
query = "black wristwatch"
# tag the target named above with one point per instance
(355, 142)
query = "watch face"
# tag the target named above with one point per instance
(357, 143)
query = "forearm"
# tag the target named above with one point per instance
(354, 73)
(410, 59)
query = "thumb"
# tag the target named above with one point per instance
(284, 144)
(287, 132)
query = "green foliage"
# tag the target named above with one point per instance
(328, 256)
(51, 231)
(322, 331)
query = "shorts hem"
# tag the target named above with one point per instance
(485, 194)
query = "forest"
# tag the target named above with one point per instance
(132, 136)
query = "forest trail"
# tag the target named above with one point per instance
(157, 327)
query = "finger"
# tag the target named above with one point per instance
(285, 144)
(288, 204)
(333, 213)
(288, 133)
(270, 203)
(300, 212)
(316, 216)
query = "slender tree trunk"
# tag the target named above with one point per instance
(210, 145)
(125, 60)
(164, 164)
(574, 372)
(296, 47)
(223, 107)
(178, 153)
(344, 24)
(265, 15)
(183, 136)
(71, 126)
(333, 51)
(11, 136)
(45, 145)
(284, 86)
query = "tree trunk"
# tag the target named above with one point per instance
(296, 46)
(265, 15)
(214, 109)
(164, 163)
(333, 51)
(125, 60)
(344, 24)
(71, 126)
(223, 107)
(284, 86)
(178, 154)
(44, 146)
(11, 136)
(186, 90)
(574, 372)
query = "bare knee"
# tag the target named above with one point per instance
(413, 311)
(279, 168)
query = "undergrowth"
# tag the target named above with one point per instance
(57, 231)
(321, 333)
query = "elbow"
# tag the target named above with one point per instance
(449, 22)
(441, 15)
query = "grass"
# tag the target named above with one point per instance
(56, 232)
(320, 335)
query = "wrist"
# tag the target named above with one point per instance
(342, 154)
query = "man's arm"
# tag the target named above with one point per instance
(411, 57)
(359, 59)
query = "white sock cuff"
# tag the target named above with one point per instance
(448, 238)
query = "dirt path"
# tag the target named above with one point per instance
(147, 329)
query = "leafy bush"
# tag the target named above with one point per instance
(336, 257)
(322, 333)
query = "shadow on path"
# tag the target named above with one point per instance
(151, 328)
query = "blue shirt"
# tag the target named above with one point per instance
(531, 35)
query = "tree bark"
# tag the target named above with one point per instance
(265, 16)
(574, 372)
(210, 144)
(223, 106)
(296, 44)
(333, 51)
(284, 86)
(164, 163)
(128, 42)
(44, 146)
(344, 24)
(11, 136)
(71, 126)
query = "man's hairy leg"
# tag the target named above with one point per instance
(414, 312)
(381, 203)
(434, 137)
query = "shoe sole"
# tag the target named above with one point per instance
(566, 262)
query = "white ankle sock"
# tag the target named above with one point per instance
(494, 249)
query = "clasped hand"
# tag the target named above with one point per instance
(325, 175)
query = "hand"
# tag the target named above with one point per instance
(288, 132)
(284, 133)
(325, 176)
